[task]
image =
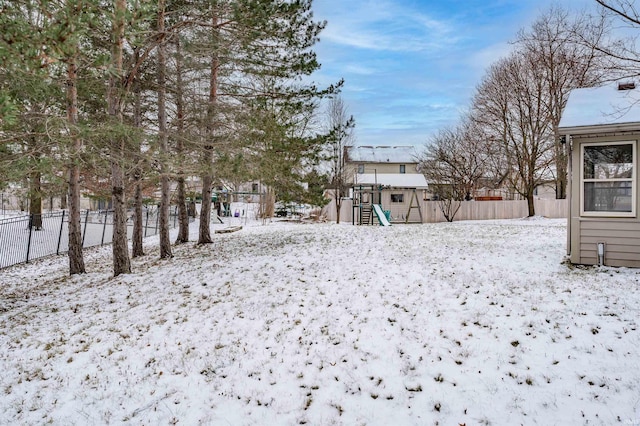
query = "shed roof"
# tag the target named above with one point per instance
(601, 107)
(382, 154)
(394, 180)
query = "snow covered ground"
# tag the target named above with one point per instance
(472, 323)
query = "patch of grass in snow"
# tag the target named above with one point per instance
(339, 408)
(416, 388)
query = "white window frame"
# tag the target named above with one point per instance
(633, 180)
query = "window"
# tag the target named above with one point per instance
(403, 168)
(360, 169)
(397, 198)
(608, 176)
(254, 187)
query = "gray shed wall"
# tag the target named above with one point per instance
(620, 235)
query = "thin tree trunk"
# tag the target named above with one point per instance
(207, 178)
(76, 259)
(205, 211)
(121, 260)
(165, 243)
(561, 165)
(183, 216)
(137, 249)
(35, 198)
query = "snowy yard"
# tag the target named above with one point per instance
(472, 323)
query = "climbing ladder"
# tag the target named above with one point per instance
(364, 197)
(366, 216)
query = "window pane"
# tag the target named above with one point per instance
(607, 196)
(397, 198)
(608, 162)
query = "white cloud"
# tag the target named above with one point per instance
(483, 58)
(359, 69)
(384, 26)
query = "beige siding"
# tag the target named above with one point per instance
(399, 211)
(621, 235)
(621, 238)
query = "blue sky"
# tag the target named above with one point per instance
(411, 66)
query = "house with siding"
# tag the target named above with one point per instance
(601, 127)
(392, 174)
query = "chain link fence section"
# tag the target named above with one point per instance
(29, 237)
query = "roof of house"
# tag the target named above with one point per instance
(607, 107)
(394, 180)
(382, 154)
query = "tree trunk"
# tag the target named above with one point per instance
(270, 202)
(205, 211)
(561, 166)
(207, 178)
(121, 260)
(530, 205)
(338, 196)
(35, 199)
(183, 217)
(137, 248)
(76, 260)
(165, 243)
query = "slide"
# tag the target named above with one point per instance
(380, 215)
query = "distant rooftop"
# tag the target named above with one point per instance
(610, 105)
(382, 154)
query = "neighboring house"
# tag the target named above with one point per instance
(387, 175)
(382, 159)
(602, 127)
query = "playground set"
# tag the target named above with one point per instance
(367, 204)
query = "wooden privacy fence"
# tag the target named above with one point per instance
(487, 210)
(469, 210)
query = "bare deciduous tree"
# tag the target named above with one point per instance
(340, 137)
(453, 162)
(564, 48)
(510, 106)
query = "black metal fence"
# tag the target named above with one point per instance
(29, 237)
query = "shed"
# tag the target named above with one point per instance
(601, 127)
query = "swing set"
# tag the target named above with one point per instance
(367, 204)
